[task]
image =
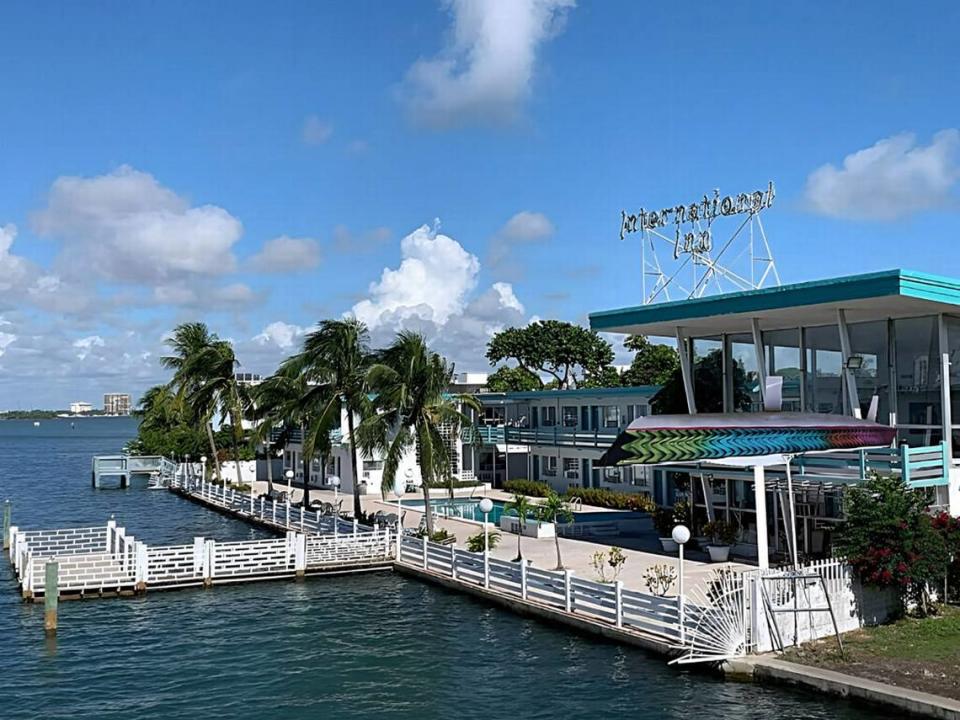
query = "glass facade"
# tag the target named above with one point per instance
(917, 368)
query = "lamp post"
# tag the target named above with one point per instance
(203, 473)
(681, 535)
(486, 505)
(289, 476)
(186, 470)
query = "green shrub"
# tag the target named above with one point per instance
(475, 542)
(531, 488)
(602, 497)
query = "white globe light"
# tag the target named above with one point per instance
(203, 459)
(334, 480)
(399, 486)
(486, 505)
(288, 474)
(680, 534)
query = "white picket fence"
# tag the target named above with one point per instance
(107, 560)
(612, 603)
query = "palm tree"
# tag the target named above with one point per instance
(554, 509)
(413, 408)
(522, 506)
(336, 357)
(186, 342)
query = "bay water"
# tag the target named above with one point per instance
(356, 647)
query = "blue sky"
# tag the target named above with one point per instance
(261, 168)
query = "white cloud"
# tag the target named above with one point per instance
(524, 228)
(6, 339)
(287, 254)
(13, 269)
(432, 282)
(485, 72)
(432, 292)
(85, 346)
(316, 131)
(126, 227)
(279, 333)
(892, 179)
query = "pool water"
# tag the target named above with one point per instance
(469, 509)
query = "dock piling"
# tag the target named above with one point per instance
(6, 524)
(51, 597)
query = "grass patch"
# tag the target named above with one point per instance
(918, 653)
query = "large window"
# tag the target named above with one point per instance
(611, 416)
(918, 380)
(824, 370)
(548, 416)
(571, 468)
(549, 465)
(782, 349)
(868, 342)
(708, 374)
(636, 411)
(569, 413)
(745, 375)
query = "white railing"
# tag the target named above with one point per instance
(120, 563)
(607, 602)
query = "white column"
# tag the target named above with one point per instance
(760, 497)
(761, 357)
(686, 372)
(853, 396)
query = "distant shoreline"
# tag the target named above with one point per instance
(53, 415)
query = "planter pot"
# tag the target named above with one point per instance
(669, 545)
(718, 553)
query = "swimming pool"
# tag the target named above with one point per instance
(468, 509)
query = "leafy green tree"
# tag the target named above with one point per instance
(521, 505)
(653, 363)
(605, 377)
(513, 379)
(556, 348)
(555, 509)
(336, 356)
(412, 406)
(187, 341)
(891, 540)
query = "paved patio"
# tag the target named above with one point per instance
(641, 552)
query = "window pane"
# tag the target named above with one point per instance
(569, 416)
(745, 381)
(824, 367)
(918, 381)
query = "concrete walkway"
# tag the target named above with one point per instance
(576, 554)
(769, 668)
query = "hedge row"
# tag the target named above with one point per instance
(598, 497)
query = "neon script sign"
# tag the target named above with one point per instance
(696, 214)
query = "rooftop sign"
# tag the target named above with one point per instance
(695, 215)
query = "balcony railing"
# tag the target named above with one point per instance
(562, 437)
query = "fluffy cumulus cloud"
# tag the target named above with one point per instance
(279, 334)
(486, 70)
(126, 227)
(13, 269)
(316, 131)
(433, 291)
(87, 345)
(892, 179)
(524, 228)
(287, 254)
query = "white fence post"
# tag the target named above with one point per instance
(486, 569)
(523, 577)
(274, 516)
(618, 601)
(199, 548)
(302, 518)
(567, 591)
(453, 561)
(355, 528)
(13, 544)
(210, 569)
(399, 541)
(262, 500)
(319, 528)
(111, 525)
(300, 554)
(386, 543)
(425, 563)
(140, 576)
(288, 513)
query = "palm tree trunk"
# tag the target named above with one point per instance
(269, 470)
(236, 453)
(426, 506)
(556, 541)
(519, 538)
(353, 465)
(306, 468)
(213, 451)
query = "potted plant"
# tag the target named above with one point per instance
(664, 522)
(723, 535)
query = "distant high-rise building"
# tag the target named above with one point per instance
(116, 404)
(79, 408)
(247, 378)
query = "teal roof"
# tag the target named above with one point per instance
(871, 296)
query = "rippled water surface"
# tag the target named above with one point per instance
(366, 646)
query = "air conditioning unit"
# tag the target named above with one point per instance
(571, 474)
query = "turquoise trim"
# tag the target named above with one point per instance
(907, 283)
